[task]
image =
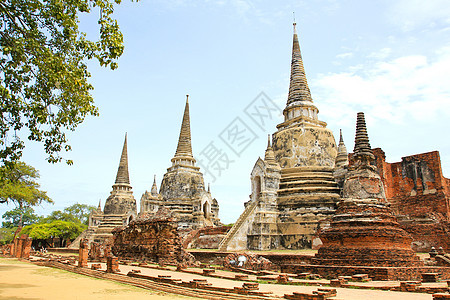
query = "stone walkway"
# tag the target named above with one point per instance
(280, 290)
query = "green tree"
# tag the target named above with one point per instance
(63, 230)
(44, 86)
(58, 215)
(7, 235)
(80, 211)
(19, 216)
(18, 186)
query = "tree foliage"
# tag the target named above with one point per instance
(76, 213)
(80, 212)
(7, 235)
(19, 216)
(18, 185)
(44, 86)
(55, 229)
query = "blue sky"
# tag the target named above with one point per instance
(390, 59)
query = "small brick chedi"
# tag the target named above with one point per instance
(364, 230)
(293, 188)
(182, 188)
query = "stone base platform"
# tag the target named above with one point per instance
(375, 273)
(345, 256)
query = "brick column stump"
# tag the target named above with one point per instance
(83, 253)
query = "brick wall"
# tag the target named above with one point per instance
(419, 195)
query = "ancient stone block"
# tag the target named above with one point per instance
(248, 261)
(83, 253)
(112, 264)
(151, 238)
(21, 247)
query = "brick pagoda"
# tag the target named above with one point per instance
(364, 230)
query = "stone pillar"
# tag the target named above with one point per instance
(26, 246)
(112, 264)
(18, 247)
(83, 253)
(11, 249)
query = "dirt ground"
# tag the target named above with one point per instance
(25, 281)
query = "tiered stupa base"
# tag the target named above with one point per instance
(364, 232)
(365, 238)
(307, 197)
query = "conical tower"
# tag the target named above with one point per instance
(123, 177)
(302, 139)
(298, 87)
(362, 151)
(183, 155)
(154, 190)
(306, 152)
(299, 106)
(121, 200)
(293, 188)
(182, 187)
(342, 156)
(120, 206)
(363, 180)
(269, 156)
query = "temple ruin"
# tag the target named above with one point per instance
(183, 189)
(296, 187)
(119, 210)
(293, 188)
(364, 236)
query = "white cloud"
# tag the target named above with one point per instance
(398, 90)
(345, 55)
(381, 54)
(413, 14)
(242, 6)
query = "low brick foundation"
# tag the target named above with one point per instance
(375, 273)
(218, 257)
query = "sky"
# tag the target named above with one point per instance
(389, 59)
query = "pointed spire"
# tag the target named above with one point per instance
(269, 156)
(342, 156)
(154, 190)
(184, 147)
(209, 188)
(99, 208)
(298, 87)
(362, 150)
(122, 173)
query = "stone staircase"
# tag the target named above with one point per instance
(249, 209)
(76, 242)
(108, 223)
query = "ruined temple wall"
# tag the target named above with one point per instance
(419, 195)
(415, 186)
(150, 240)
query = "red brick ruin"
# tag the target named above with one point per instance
(419, 195)
(364, 230)
(364, 235)
(21, 247)
(152, 238)
(112, 264)
(83, 253)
